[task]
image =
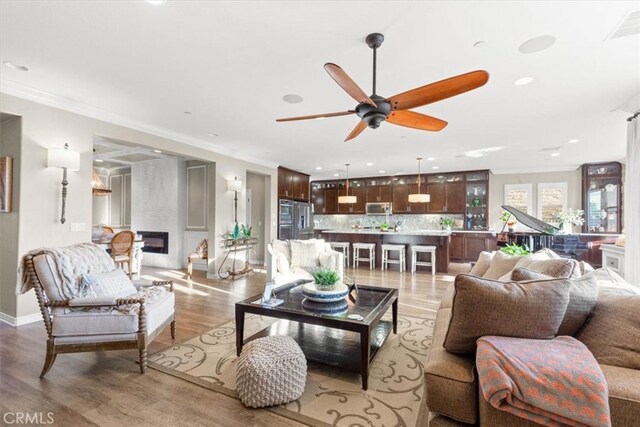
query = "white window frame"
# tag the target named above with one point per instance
(563, 186)
(527, 188)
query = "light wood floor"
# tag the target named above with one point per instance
(106, 388)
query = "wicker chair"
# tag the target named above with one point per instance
(96, 324)
(122, 249)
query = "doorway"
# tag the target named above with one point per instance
(256, 199)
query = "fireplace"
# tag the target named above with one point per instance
(155, 242)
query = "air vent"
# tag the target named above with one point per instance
(628, 26)
(550, 149)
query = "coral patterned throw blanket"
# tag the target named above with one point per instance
(551, 382)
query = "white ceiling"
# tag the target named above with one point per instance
(230, 63)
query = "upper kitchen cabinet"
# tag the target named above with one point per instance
(293, 185)
(602, 197)
(378, 190)
(447, 193)
(357, 189)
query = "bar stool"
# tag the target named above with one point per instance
(415, 253)
(344, 248)
(386, 248)
(371, 247)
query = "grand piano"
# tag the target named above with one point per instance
(579, 246)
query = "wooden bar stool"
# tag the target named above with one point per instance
(371, 247)
(415, 253)
(342, 247)
(401, 261)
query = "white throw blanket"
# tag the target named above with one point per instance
(69, 264)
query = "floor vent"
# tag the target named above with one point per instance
(628, 26)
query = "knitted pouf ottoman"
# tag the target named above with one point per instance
(271, 371)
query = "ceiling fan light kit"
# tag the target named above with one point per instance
(375, 109)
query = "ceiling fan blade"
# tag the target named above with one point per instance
(414, 120)
(356, 130)
(439, 90)
(347, 83)
(316, 116)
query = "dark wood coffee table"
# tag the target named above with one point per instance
(335, 339)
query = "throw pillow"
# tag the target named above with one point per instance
(609, 282)
(281, 263)
(482, 264)
(582, 297)
(282, 247)
(585, 267)
(112, 284)
(501, 265)
(328, 260)
(304, 253)
(488, 307)
(612, 333)
(560, 268)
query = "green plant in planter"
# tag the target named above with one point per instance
(447, 223)
(325, 278)
(515, 249)
(245, 232)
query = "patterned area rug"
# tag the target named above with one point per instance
(332, 396)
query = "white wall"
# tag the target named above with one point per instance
(39, 196)
(498, 181)
(157, 204)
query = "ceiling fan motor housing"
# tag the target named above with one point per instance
(371, 115)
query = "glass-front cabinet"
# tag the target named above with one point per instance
(602, 197)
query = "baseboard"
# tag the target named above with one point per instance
(22, 320)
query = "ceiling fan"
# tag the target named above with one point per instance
(375, 109)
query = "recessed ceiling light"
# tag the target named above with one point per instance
(523, 81)
(435, 167)
(98, 160)
(213, 134)
(157, 151)
(369, 164)
(480, 43)
(381, 171)
(537, 44)
(318, 168)
(292, 98)
(156, 1)
(431, 158)
(473, 154)
(556, 154)
(336, 174)
(574, 141)
(15, 66)
(188, 113)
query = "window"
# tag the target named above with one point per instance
(518, 196)
(552, 199)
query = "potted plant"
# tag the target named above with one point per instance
(384, 226)
(568, 219)
(516, 250)
(325, 278)
(447, 223)
(509, 219)
(245, 233)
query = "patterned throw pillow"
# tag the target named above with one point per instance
(304, 253)
(501, 265)
(482, 264)
(113, 284)
(488, 307)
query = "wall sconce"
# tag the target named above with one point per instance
(235, 185)
(65, 159)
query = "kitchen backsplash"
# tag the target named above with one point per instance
(409, 222)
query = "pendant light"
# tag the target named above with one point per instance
(97, 186)
(419, 198)
(347, 198)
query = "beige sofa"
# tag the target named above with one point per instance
(454, 398)
(294, 260)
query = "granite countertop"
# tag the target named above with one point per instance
(396, 233)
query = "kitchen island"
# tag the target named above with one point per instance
(439, 239)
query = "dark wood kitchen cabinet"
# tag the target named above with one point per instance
(447, 193)
(456, 247)
(466, 247)
(293, 185)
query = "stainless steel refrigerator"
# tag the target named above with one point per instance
(296, 220)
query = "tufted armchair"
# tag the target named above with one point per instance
(113, 314)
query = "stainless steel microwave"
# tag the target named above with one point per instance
(383, 208)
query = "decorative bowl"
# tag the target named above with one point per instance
(313, 293)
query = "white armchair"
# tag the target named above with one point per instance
(291, 260)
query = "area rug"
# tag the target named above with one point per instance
(332, 397)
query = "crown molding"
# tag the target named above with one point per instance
(535, 170)
(18, 90)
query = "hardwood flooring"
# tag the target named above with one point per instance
(107, 389)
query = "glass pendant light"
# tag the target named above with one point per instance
(419, 198)
(347, 198)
